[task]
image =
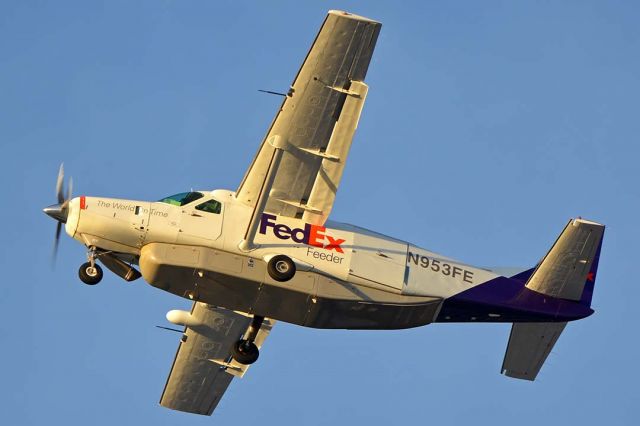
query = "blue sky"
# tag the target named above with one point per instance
(487, 126)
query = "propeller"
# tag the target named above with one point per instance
(60, 211)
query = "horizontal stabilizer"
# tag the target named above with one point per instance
(566, 268)
(528, 348)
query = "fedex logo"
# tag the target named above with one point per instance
(312, 235)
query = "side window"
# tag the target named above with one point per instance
(211, 206)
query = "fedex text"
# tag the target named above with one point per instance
(312, 235)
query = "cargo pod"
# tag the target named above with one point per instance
(379, 259)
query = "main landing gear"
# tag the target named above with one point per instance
(90, 272)
(281, 268)
(245, 351)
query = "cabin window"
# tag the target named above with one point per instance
(182, 198)
(211, 206)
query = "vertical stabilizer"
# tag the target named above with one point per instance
(568, 269)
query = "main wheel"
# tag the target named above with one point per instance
(90, 274)
(281, 268)
(245, 352)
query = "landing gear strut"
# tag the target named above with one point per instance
(90, 272)
(245, 351)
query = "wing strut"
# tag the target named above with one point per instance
(279, 144)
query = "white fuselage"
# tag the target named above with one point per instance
(344, 252)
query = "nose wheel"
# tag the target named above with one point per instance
(90, 274)
(245, 351)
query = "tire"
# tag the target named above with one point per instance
(245, 352)
(90, 275)
(281, 268)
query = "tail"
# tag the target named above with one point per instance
(568, 271)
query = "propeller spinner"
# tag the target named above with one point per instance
(60, 211)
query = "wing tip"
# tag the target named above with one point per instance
(580, 220)
(344, 14)
(518, 375)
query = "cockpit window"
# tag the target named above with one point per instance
(182, 198)
(210, 206)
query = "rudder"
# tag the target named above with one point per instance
(568, 270)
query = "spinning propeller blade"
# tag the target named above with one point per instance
(54, 255)
(59, 183)
(69, 190)
(60, 211)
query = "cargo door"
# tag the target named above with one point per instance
(379, 259)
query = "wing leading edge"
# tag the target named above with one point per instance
(316, 121)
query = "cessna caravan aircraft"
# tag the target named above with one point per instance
(267, 252)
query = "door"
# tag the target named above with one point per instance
(202, 220)
(378, 259)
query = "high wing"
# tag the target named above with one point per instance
(203, 367)
(316, 123)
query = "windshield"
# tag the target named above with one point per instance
(182, 198)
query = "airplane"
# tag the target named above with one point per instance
(268, 252)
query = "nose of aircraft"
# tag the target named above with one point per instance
(57, 211)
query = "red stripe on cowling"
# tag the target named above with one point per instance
(83, 203)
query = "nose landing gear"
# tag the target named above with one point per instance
(245, 351)
(90, 272)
